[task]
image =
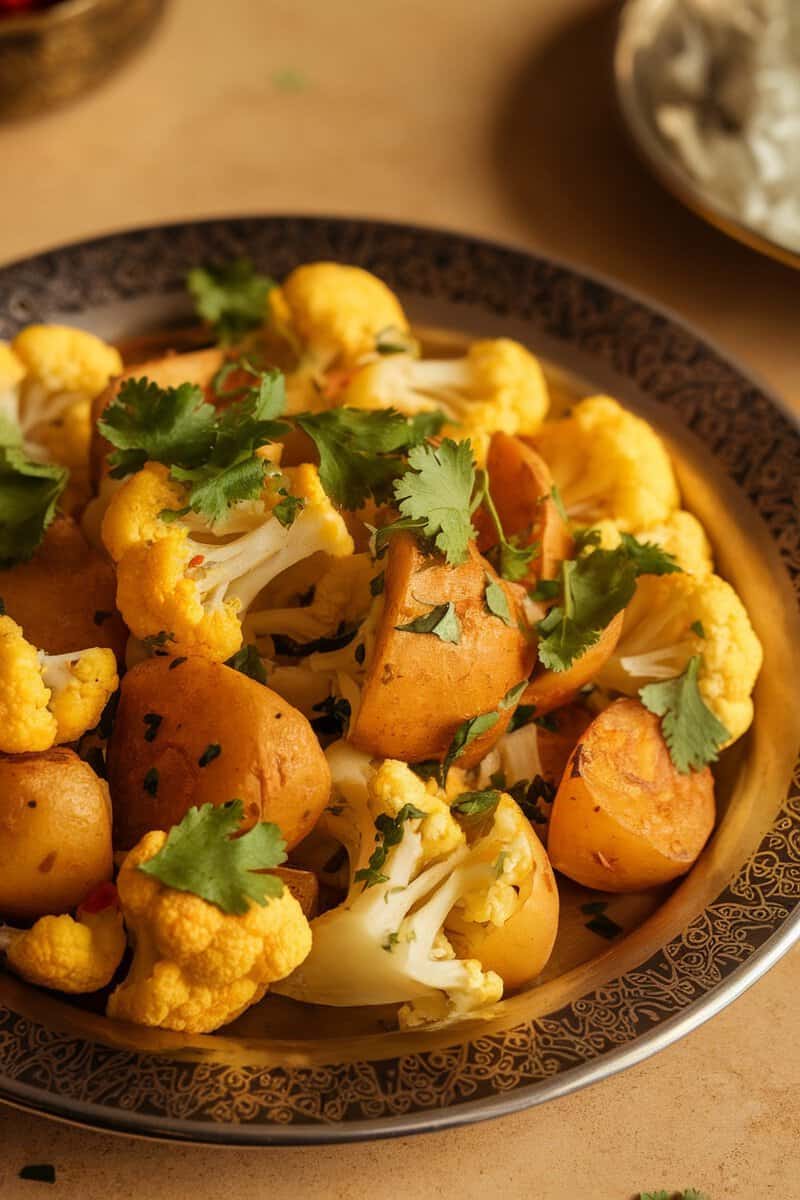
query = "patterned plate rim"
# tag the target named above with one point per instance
(749, 925)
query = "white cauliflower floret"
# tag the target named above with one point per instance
(410, 866)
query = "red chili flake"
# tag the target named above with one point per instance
(197, 560)
(100, 897)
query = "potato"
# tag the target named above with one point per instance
(552, 689)
(55, 833)
(556, 744)
(268, 755)
(518, 950)
(624, 818)
(65, 596)
(521, 488)
(171, 370)
(418, 688)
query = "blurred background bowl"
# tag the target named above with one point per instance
(636, 66)
(48, 57)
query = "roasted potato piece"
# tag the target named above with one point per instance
(624, 818)
(65, 596)
(518, 950)
(419, 688)
(55, 833)
(521, 486)
(552, 689)
(197, 366)
(221, 736)
(557, 743)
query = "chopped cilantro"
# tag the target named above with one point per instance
(649, 558)
(546, 589)
(201, 856)
(510, 557)
(29, 493)
(101, 616)
(475, 807)
(697, 627)
(464, 736)
(38, 1173)
(150, 781)
(212, 751)
(442, 621)
(334, 716)
(389, 833)
(522, 716)
(556, 497)
(530, 794)
(152, 721)
(693, 734)
(377, 584)
(247, 661)
(496, 601)
(231, 297)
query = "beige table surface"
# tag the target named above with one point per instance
(496, 118)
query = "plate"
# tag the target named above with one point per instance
(278, 1077)
(633, 65)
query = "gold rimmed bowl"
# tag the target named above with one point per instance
(286, 1073)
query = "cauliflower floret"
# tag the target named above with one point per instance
(74, 955)
(341, 598)
(497, 385)
(411, 867)
(608, 463)
(197, 592)
(680, 535)
(12, 373)
(669, 620)
(48, 699)
(196, 967)
(332, 316)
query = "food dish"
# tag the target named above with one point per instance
(414, 635)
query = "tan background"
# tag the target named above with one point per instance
(495, 118)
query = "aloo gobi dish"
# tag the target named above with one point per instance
(325, 661)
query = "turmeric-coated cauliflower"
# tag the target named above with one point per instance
(670, 619)
(332, 316)
(70, 954)
(341, 598)
(609, 463)
(48, 699)
(497, 386)
(196, 592)
(196, 967)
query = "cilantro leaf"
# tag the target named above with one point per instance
(201, 857)
(511, 558)
(473, 808)
(437, 491)
(496, 601)
(146, 422)
(649, 558)
(248, 661)
(361, 453)
(442, 620)
(29, 493)
(213, 489)
(231, 297)
(251, 421)
(692, 732)
(464, 736)
(389, 833)
(558, 500)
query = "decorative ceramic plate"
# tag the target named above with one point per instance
(287, 1074)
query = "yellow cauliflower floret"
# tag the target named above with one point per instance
(335, 312)
(63, 359)
(132, 516)
(74, 955)
(11, 374)
(341, 597)
(669, 620)
(394, 785)
(197, 591)
(680, 535)
(508, 847)
(609, 463)
(48, 699)
(196, 967)
(497, 386)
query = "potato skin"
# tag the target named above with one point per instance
(55, 833)
(419, 688)
(270, 758)
(521, 487)
(65, 596)
(624, 818)
(552, 689)
(518, 950)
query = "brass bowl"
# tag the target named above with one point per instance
(53, 55)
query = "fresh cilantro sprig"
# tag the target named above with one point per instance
(361, 452)
(29, 493)
(248, 661)
(441, 621)
(694, 735)
(388, 833)
(595, 586)
(201, 856)
(148, 423)
(434, 497)
(231, 297)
